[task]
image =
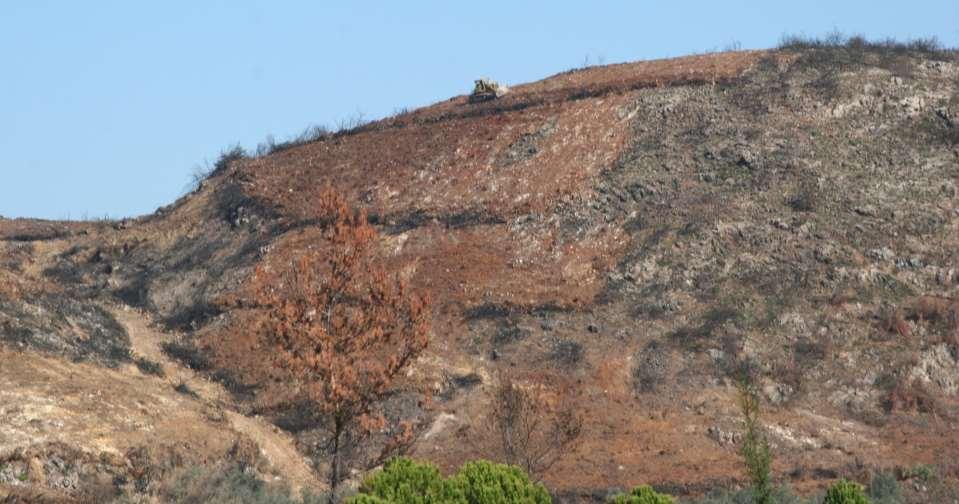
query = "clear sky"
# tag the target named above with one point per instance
(107, 106)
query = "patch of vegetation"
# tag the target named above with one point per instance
(188, 354)
(755, 447)
(857, 43)
(204, 171)
(191, 317)
(909, 395)
(836, 53)
(808, 196)
(149, 367)
(845, 492)
(404, 481)
(922, 472)
(567, 353)
(884, 489)
(642, 495)
(226, 484)
(650, 369)
(692, 337)
(489, 311)
(452, 384)
(531, 427)
(313, 133)
(507, 333)
(782, 495)
(183, 388)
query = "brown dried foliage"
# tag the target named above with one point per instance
(8, 288)
(927, 310)
(342, 326)
(894, 322)
(910, 396)
(532, 427)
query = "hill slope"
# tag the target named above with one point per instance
(645, 231)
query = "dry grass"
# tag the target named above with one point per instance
(939, 314)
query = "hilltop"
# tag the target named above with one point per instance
(644, 231)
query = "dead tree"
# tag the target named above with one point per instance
(343, 327)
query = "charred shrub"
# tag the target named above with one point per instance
(204, 171)
(804, 355)
(188, 354)
(650, 369)
(857, 43)
(837, 51)
(909, 395)
(183, 388)
(309, 135)
(509, 332)
(693, 337)
(149, 367)
(228, 157)
(567, 353)
(192, 317)
(807, 198)
(454, 383)
(233, 384)
(535, 426)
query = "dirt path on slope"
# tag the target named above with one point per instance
(275, 445)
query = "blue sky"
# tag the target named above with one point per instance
(107, 106)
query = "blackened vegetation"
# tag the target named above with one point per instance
(38, 235)
(836, 53)
(396, 224)
(188, 354)
(73, 328)
(232, 382)
(807, 198)
(231, 240)
(184, 388)
(506, 324)
(487, 311)
(694, 337)
(567, 353)
(856, 47)
(509, 332)
(453, 384)
(526, 146)
(651, 367)
(149, 367)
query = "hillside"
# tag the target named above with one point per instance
(641, 231)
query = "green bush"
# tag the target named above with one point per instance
(884, 489)
(642, 495)
(755, 447)
(403, 481)
(483, 482)
(845, 492)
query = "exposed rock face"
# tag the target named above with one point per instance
(647, 232)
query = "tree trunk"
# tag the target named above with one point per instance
(335, 465)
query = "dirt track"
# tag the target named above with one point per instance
(275, 446)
